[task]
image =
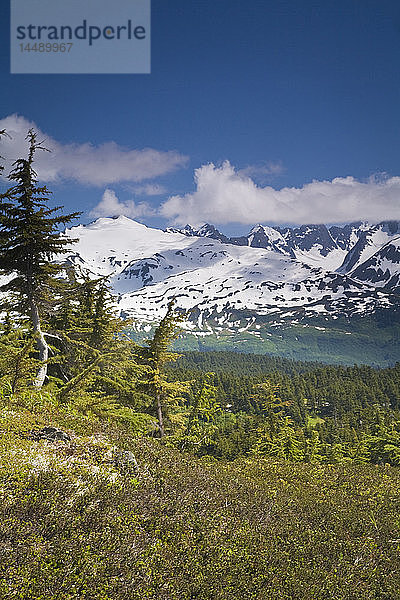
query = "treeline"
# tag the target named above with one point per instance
(241, 364)
(330, 391)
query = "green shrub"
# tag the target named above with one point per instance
(77, 526)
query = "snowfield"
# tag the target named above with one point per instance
(309, 269)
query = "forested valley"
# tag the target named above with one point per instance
(347, 413)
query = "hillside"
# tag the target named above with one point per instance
(79, 525)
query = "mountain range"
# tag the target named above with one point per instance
(246, 288)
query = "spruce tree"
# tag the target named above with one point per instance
(155, 356)
(17, 367)
(96, 358)
(29, 241)
(273, 409)
(203, 412)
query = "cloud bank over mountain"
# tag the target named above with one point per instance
(87, 164)
(226, 195)
(223, 193)
(110, 206)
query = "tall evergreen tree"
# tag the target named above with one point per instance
(96, 358)
(29, 240)
(203, 412)
(155, 356)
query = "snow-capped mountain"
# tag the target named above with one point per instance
(368, 240)
(106, 246)
(283, 272)
(337, 248)
(383, 268)
(269, 238)
(205, 230)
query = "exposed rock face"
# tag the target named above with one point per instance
(125, 459)
(50, 434)
(380, 269)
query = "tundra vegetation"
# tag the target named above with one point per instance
(130, 472)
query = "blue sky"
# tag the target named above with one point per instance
(288, 92)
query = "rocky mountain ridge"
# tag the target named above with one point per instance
(279, 274)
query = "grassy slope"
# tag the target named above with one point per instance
(341, 342)
(345, 343)
(74, 526)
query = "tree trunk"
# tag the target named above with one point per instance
(41, 346)
(160, 415)
(72, 383)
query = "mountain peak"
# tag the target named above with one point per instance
(256, 228)
(116, 222)
(266, 230)
(235, 282)
(205, 229)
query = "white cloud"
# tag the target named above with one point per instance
(110, 206)
(224, 195)
(87, 164)
(149, 189)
